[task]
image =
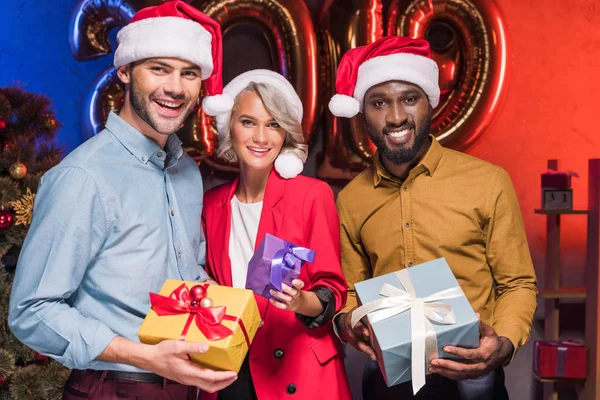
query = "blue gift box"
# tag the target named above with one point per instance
(392, 337)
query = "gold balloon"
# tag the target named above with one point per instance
(18, 170)
(469, 43)
(288, 29)
(344, 25)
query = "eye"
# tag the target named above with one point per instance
(378, 103)
(158, 70)
(411, 100)
(274, 125)
(190, 74)
(247, 122)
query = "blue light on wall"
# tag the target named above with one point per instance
(35, 53)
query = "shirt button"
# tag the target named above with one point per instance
(179, 254)
(172, 213)
(144, 158)
(291, 388)
(278, 353)
(159, 154)
(407, 225)
(410, 263)
(405, 188)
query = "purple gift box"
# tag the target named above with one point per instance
(275, 262)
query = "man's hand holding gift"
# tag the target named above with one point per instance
(359, 336)
(494, 351)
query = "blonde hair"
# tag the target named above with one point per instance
(282, 112)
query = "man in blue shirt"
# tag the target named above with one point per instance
(120, 215)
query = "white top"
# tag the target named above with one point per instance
(244, 228)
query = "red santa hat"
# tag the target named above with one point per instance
(287, 164)
(392, 58)
(176, 29)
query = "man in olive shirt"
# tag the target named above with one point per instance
(420, 201)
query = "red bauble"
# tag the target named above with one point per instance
(6, 219)
(197, 292)
(2, 124)
(1, 380)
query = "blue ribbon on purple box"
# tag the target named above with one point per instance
(284, 262)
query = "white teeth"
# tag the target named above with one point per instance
(258, 150)
(399, 134)
(168, 104)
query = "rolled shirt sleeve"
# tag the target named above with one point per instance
(71, 221)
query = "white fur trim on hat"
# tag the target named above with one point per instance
(344, 106)
(165, 37)
(217, 105)
(288, 165)
(265, 76)
(418, 70)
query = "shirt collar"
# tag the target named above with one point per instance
(429, 163)
(142, 147)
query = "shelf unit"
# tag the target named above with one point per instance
(553, 292)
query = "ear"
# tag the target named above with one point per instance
(124, 73)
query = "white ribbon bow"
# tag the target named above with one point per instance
(423, 311)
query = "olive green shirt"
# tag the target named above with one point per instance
(451, 205)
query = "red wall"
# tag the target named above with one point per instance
(550, 111)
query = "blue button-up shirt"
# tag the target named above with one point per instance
(115, 219)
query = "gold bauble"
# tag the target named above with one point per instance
(18, 170)
(206, 302)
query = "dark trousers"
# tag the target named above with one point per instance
(242, 388)
(89, 384)
(487, 387)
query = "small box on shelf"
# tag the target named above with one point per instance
(557, 199)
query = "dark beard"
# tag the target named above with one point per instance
(402, 156)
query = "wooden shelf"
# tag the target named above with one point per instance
(565, 292)
(555, 212)
(558, 380)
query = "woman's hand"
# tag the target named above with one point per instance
(297, 300)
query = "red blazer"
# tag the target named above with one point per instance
(302, 211)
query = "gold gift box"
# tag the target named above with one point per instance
(225, 354)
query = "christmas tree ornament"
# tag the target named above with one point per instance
(40, 357)
(50, 123)
(2, 125)
(23, 208)
(18, 170)
(6, 219)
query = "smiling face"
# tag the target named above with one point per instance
(257, 138)
(162, 92)
(398, 118)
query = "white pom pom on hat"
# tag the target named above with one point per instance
(288, 165)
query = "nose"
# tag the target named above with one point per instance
(260, 135)
(174, 85)
(396, 114)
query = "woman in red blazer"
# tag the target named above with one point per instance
(295, 354)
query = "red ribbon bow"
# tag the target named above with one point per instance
(208, 319)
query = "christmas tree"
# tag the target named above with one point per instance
(27, 130)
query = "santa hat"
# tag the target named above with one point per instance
(287, 164)
(176, 29)
(392, 58)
